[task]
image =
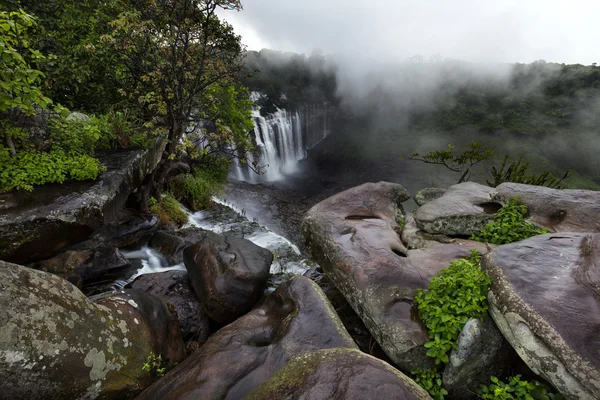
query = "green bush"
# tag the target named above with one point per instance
(195, 190)
(168, 210)
(509, 225)
(517, 172)
(29, 168)
(516, 389)
(455, 295)
(431, 381)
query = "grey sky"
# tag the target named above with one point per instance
(472, 30)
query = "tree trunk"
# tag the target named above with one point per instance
(10, 144)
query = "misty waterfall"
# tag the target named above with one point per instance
(281, 140)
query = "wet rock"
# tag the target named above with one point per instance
(56, 344)
(55, 216)
(343, 374)
(482, 352)
(174, 287)
(462, 211)
(428, 194)
(83, 266)
(557, 210)
(545, 300)
(170, 246)
(228, 274)
(351, 235)
(293, 320)
(352, 322)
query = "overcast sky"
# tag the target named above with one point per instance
(393, 30)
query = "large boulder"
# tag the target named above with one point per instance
(545, 300)
(352, 235)
(174, 287)
(428, 194)
(53, 217)
(295, 319)
(463, 210)
(56, 344)
(228, 274)
(338, 374)
(557, 210)
(482, 352)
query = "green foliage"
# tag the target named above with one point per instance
(455, 295)
(154, 365)
(457, 162)
(516, 388)
(119, 129)
(168, 210)
(196, 190)
(19, 81)
(431, 381)
(29, 168)
(517, 172)
(509, 225)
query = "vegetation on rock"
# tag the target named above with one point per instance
(430, 380)
(509, 225)
(455, 295)
(168, 210)
(515, 388)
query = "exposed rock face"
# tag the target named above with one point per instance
(293, 320)
(463, 210)
(428, 194)
(351, 235)
(228, 274)
(53, 217)
(482, 352)
(557, 210)
(343, 374)
(545, 300)
(172, 243)
(78, 266)
(174, 287)
(56, 344)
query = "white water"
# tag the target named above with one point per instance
(282, 139)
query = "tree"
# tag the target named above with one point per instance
(462, 163)
(183, 61)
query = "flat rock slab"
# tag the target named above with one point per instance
(293, 320)
(557, 210)
(55, 216)
(428, 194)
(463, 210)
(338, 374)
(545, 300)
(56, 344)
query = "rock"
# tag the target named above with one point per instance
(293, 320)
(174, 287)
(414, 238)
(78, 117)
(53, 217)
(228, 274)
(462, 211)
(343, 374)
(352, 322)
(351, 235)
(428, 194)
(557, 210)
(545, 300)
(56, 344)
(482, 352)
(172, 243)
(81, 266)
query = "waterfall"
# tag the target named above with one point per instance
(282, 139)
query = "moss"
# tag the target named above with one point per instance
(169, 210)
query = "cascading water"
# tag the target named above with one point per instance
(282, 139)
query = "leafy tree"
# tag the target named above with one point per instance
(183, 61)
(462, 163)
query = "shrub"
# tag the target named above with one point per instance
(509, 225)
(455, 295)
(29, 168)
(431, 381)
(517, 172)
(168, 210)
(516, 389)
(195, 190)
